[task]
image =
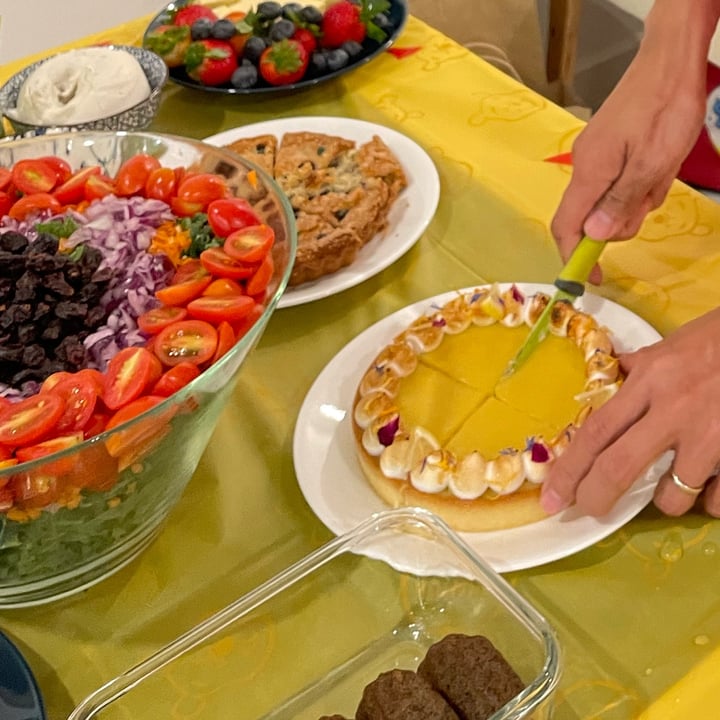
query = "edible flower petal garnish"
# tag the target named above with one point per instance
(386, 434)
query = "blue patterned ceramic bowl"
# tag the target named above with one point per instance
(137, 117)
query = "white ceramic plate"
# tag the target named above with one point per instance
(333, 484)
(408, 218)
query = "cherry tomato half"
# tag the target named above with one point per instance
(5, 178)
(161, 184)
(36, 202)
(188, 288)
(34, 489)
(98, 186)
(223, 286)
(73, 189)
(53, 379)
(79, 394)
(186, 269)
(96, 424)
(33, 176)
(216, 308)
(219, 263)
(229, 214)
(202, 189)
(192, 341)
(27, 421)
(62, 168)
(94, 468)
(226, 339)
(261, 279)
(129, 373)
(248, 321)
(6, 202)
(128, 445)
(48, 447)
(185, 208)
(176, 378)
(250, 244)
(155, 319)
(134, 173)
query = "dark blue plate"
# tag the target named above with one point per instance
(397, 13)
(19, 694)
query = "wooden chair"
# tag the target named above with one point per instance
(537, 37)
(564, 21)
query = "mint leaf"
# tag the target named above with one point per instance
(61, 228)
(371, 8)
(374, 32)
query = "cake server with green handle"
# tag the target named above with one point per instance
(570, 285)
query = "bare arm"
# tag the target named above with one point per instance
(623, 164)
(627, 156)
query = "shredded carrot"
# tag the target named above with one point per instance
(252, 179)
(80, 207)
(171, 240)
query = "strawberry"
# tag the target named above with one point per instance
(346, 20)
(170, 42)
(306, 38)
(210, 62)
(284, 62)
(189, 14)
(341, 22)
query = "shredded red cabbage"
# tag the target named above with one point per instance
(122, 229)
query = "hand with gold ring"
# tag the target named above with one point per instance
(670, 401)
(678, 483)
(676, 497)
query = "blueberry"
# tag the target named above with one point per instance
(254, 48)
(246, 76)
(337, 59)
(281, 30)
(269, 10)
(223, 29)
(383, 22)
(201, 28)
(311, 14)
(352, 48)
(291, 10)
(318, 62)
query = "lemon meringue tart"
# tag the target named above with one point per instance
(437, 423)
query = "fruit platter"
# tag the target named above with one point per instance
(271, 47)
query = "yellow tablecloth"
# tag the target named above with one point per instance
(638, 614)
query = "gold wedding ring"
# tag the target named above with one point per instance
(682, 486)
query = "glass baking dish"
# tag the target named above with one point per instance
(307, 642)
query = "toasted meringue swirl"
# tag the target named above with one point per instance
(413, 454)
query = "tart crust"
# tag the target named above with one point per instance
(406, 465)
(341, 193)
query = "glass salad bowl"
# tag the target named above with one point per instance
(84, 491)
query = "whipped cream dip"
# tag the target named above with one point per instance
(81, 86)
